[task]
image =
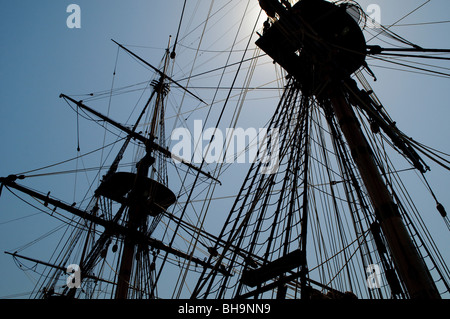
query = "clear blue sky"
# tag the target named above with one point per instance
(41, 58)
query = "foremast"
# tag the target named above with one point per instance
(138, 195)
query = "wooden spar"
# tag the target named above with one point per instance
(159, 72)
(148, 142)
(255, 277)
(130, 132)
(15, 254)
(288, 279)
(409, 264)
(375, 49)
(111, 226)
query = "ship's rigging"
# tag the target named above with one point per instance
(310, 230)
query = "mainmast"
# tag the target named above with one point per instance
(321, 54)
(410, 265)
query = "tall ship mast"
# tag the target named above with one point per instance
(318, 211)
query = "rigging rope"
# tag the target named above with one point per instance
(173, 54)
(396, 36)
(413, 67)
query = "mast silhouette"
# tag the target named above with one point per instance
(139, 195)
(333, 63)
(320, 45)
(264, 247)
